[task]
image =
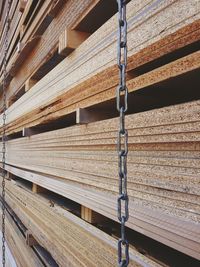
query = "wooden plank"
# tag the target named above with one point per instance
(84, 115)
(71, 100)
(23, 255)
(49, 42)
(168, 45)
(18, 27)
(20, 56)
(22, 5)
(29, 84)
(38, 19)
(56, 89)
(163, 163)
(91, 216)
(25, 38)
(38, 189)
(30, 240)
(164, 144)
(70, 40)
(57, 7)
(171, 231)
(54, 225)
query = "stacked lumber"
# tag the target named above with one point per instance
(62, 75)
(94, 62)
(22, 254)
(36, 45)
(9, 257)
(163, 166)
(70, 240)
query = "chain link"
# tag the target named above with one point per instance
(122, 140)
(4, 133)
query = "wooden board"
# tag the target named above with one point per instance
(80, 162)
(77, 242)
(23, 255)
(79, 97)
(163, 166)
(42, 51)
(63, 79)
(179, 234)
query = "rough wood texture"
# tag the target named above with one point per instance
(80, 162)
(48, 93)
(69, 101)
(162, 165)
(77, 242)
(23, 255)
(68, 15)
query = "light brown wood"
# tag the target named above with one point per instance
(91, 216)
(22, 5)
(77, 242)
(174, 232)
(23, 255)
(67, 103)
(49, 41)
(70, 40)
(163, 145)
(71, 73)
(29, 84)
(30, 240)
(152, 46)
(38, 189)
(84, 116)
(16, 29)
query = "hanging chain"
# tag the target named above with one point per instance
(4, 133)
(122, 140)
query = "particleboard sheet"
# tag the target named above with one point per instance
(77, 242)
(177, 233)
(163, 162)
(86, 62)
(23, 255)
(40, 53)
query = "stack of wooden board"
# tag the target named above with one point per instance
(9, 257)
(163, 166)
(60, 92)
(22, 255)
(70, 240)
(62, 75)
(42, 36)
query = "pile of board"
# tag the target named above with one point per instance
(62, 124)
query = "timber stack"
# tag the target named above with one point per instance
(61, 161)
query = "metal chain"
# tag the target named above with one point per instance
(4, 133)
(122, 140)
